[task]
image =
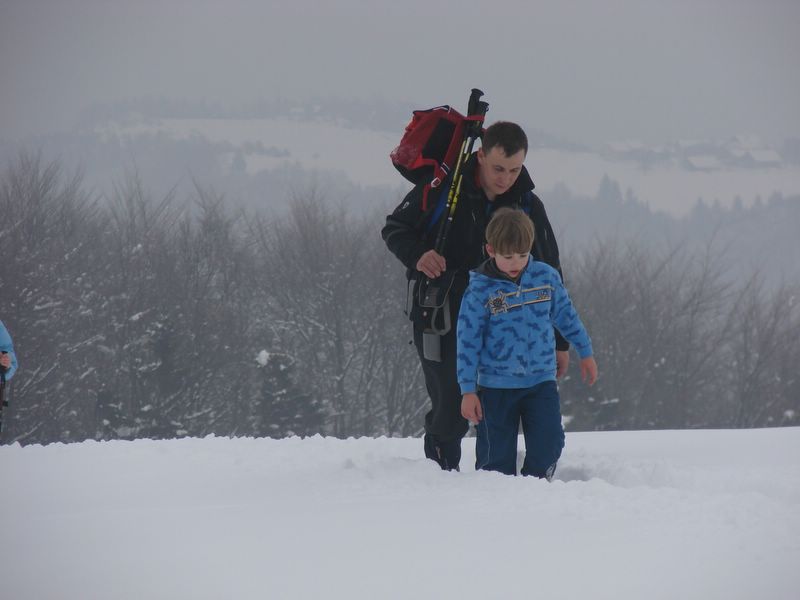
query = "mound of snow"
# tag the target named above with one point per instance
(631, 515)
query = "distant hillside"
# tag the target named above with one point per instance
(341, 153)
(279, 148)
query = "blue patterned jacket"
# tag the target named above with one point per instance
(7, 346)
(505, 329)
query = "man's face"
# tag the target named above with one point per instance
(498, 172)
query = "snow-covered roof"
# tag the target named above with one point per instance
(704, 162)
(623, 146)
(745, 142)
(765, 156)
(683, 144)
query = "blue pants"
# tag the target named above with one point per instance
(539, 410)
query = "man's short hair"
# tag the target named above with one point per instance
(507, 135)
(510, 231)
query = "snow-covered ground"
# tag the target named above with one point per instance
(631, 515)
(362, 155)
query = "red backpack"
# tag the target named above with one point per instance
(430, 146)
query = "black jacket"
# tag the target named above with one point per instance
(407, 237)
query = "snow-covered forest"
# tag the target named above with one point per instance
(160, 316)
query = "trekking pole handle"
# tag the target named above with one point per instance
(476, 108)
(472, 105)
(475, 128)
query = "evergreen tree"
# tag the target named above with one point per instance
(284, 408)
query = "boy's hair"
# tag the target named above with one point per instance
(510, 231)
(509, 136)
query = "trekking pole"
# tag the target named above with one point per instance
(476, 111)
(435, 293)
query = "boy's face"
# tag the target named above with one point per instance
(498, 172)
(512, 264)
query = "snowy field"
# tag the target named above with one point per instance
(631, 515)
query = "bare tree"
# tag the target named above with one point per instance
(47, 241)
(150, 317)
(763, 356)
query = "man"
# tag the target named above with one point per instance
(492, 178)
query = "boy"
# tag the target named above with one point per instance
(8, 359)
(506, 359)
(8, 365)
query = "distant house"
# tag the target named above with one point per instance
(699, 155)
(764, 158)
(636, 151)
(703, 162)
(694, 147)
(750, 151)
(745, 142)
(626, 147)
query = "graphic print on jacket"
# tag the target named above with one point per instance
(505, 329)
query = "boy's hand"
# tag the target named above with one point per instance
(588, 370)
(471, 408)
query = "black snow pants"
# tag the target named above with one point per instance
(444, 425)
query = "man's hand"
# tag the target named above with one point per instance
(562, 363)
(589, 370)
(471, 408)
(432, 264)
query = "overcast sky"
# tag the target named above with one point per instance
(588, 71)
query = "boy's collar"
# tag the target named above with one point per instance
(492, 270)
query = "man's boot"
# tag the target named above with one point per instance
(447, 453)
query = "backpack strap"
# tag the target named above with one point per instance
(425, 192)
(526, 202)
(432, 217)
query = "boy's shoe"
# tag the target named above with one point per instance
(548, 474)
(446, 453)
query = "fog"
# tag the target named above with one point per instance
(588, 71)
